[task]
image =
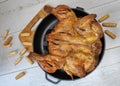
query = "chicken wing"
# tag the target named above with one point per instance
(65, 26)
(64, 12)
(50, 63)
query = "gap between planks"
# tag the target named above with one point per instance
(112, 48)
(19, 70)
(38, 66)
(107, 3)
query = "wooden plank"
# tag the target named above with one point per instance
(17, 16)
(16, 20)
(6, 63)
(87, 4)
(110, 57)
(101, 77)
(9, 6)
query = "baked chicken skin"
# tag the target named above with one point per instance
(74, 45)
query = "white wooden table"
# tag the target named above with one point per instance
(16, 14)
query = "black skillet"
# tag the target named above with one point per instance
(40, 43)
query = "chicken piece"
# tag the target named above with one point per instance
(85, 22)
(87, 28)
(96, 27)
(63, 49)
(49, 63)
(79, 64)
(90, 63)
(90, 37)
(65, 26)
(97, 47)
(58, 49)
(56, 37)
(88, 24)
(64, 12)
(74, 67)
(87, 58)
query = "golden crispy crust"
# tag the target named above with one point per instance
(64, 12)
(74, 45)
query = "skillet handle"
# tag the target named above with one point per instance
(80, 8)
(54, 82)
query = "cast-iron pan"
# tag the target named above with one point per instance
(40, 43)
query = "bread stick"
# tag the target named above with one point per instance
(109, 24)
(12, 53)
(9, 39)
(17, 60)
(20, 75)
(7, 46)
(22, 52)
(103, 17)
(109, 33)
(29, 60)
(5, 34)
